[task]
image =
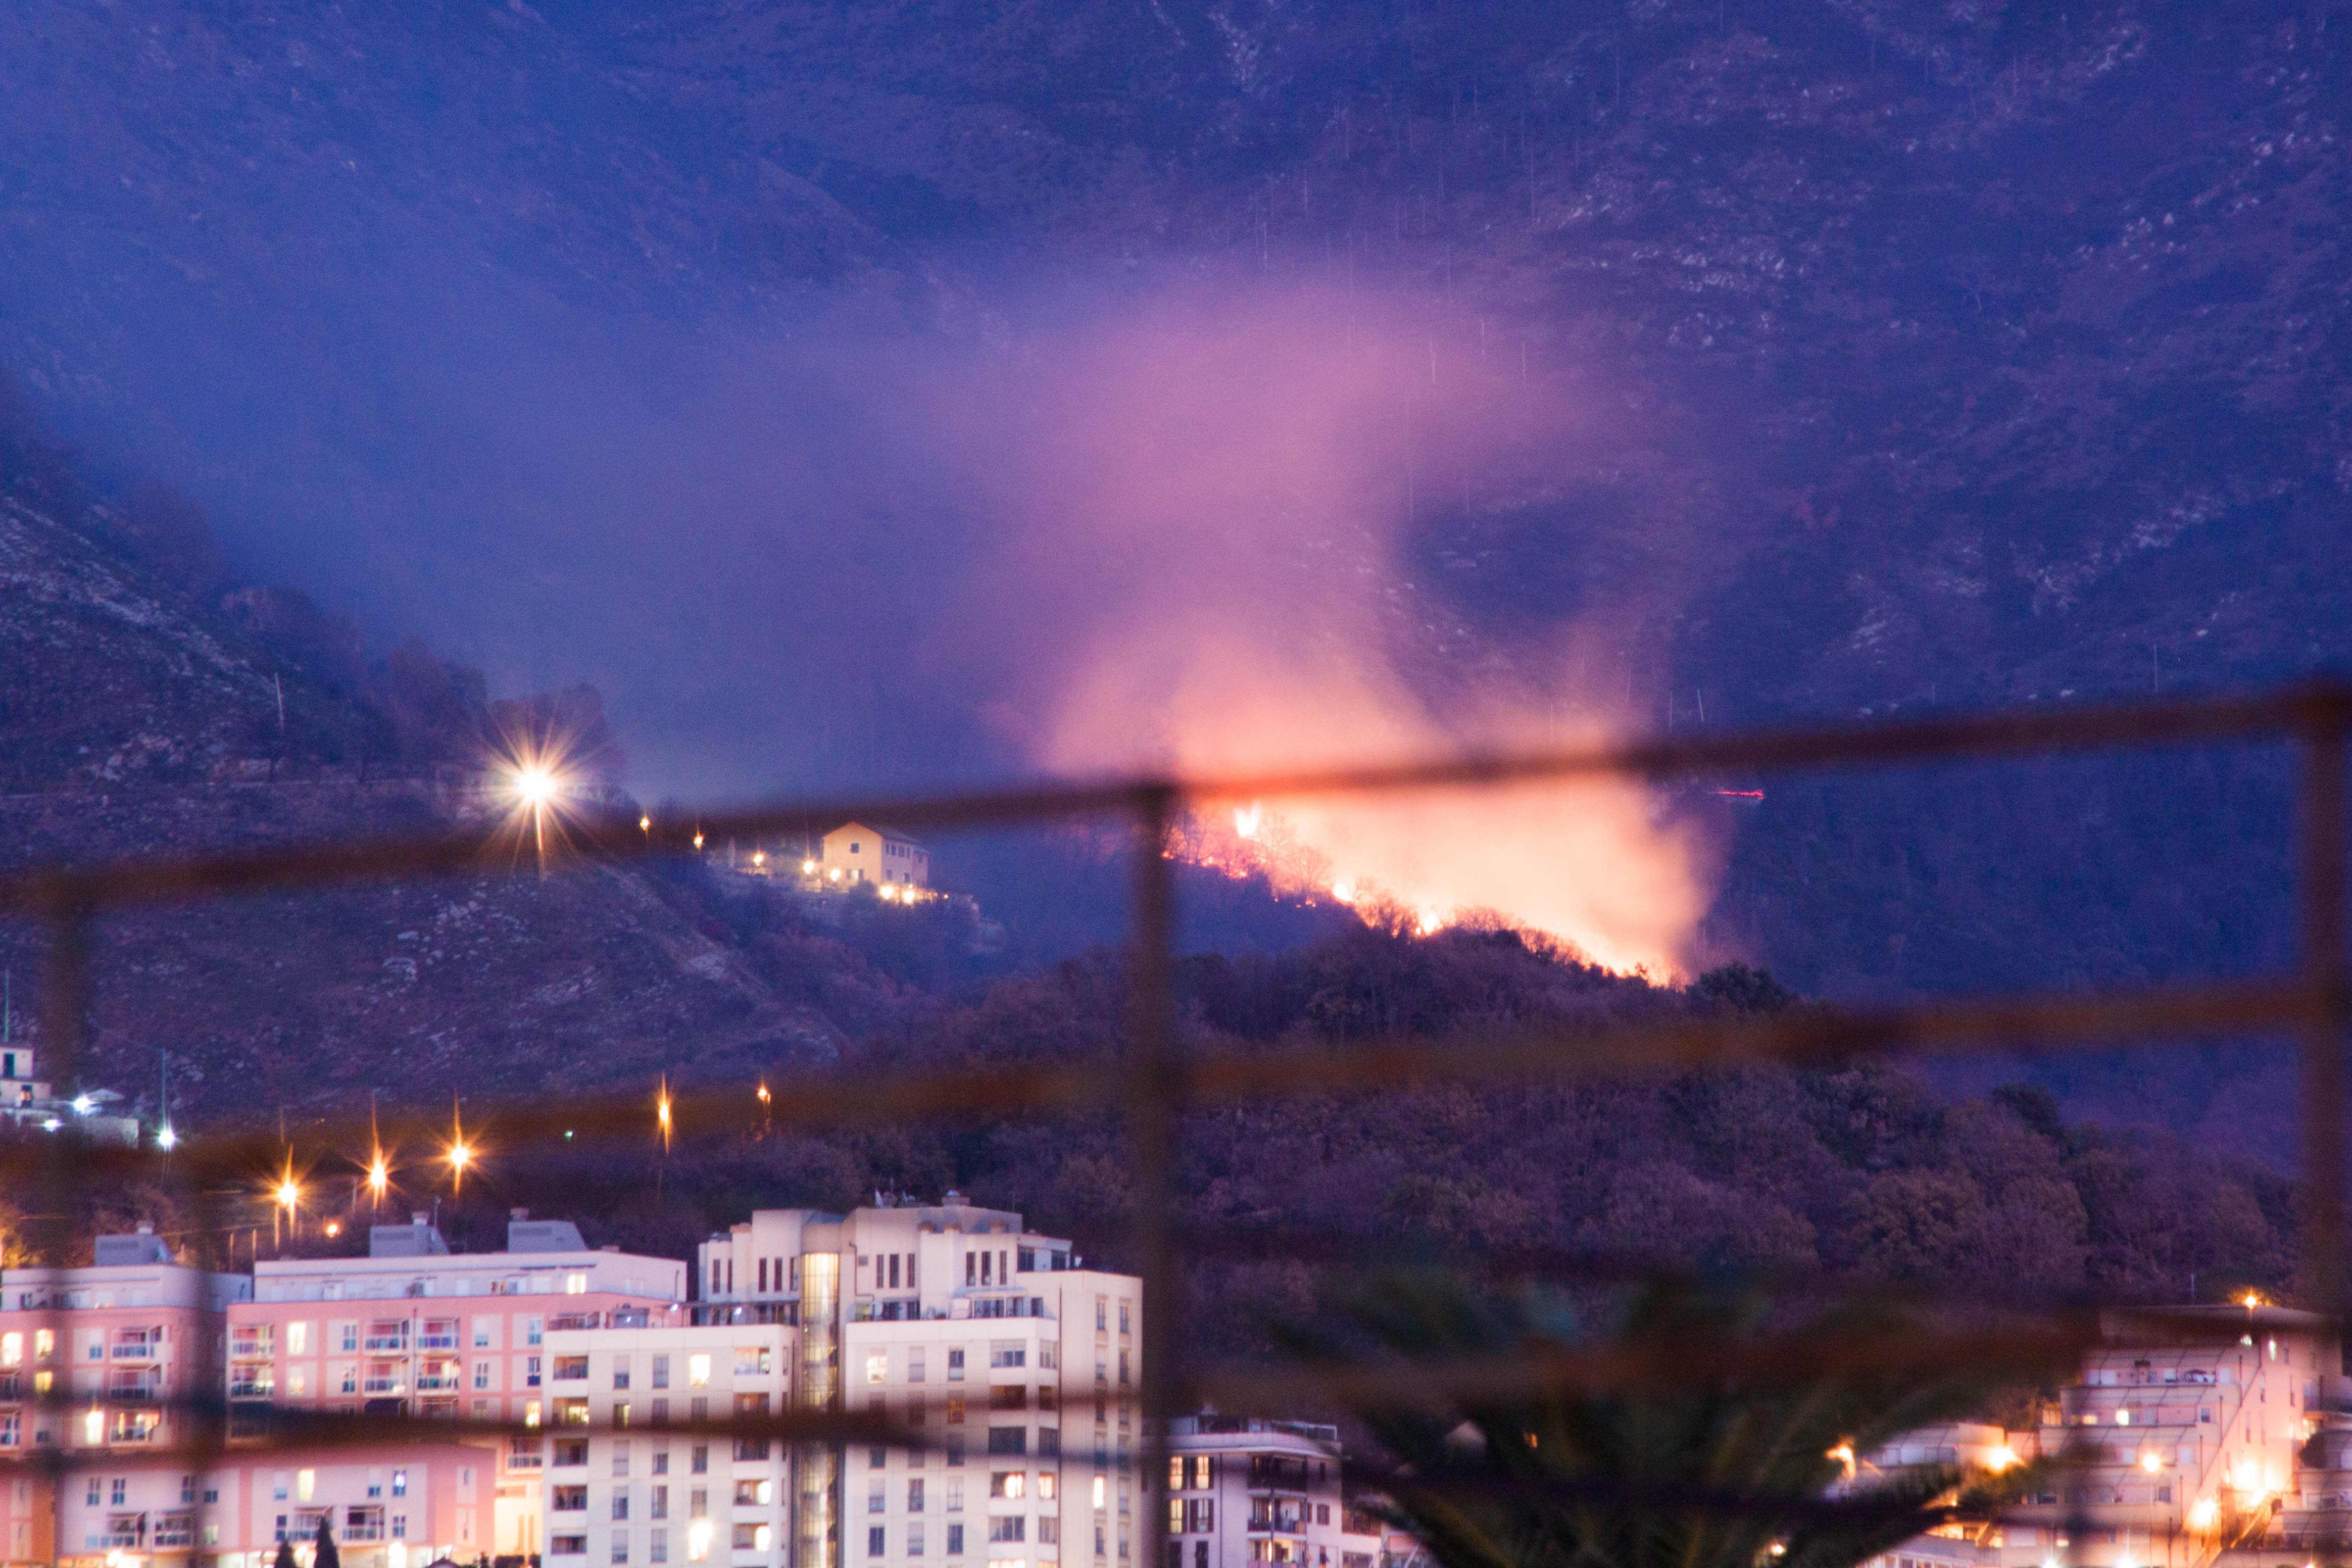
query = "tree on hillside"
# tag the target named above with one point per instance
(325, 1555)
(1715, 1471)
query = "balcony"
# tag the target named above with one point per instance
(430, 1382)
(142, 1393)
(135, 1350)
(252, 1388)
(383, 1385)
(386, 1343)
(361, 1532)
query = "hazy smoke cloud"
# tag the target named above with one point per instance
(1203, 572)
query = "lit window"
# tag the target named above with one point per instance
(575, 1284)
(878, 1367)
(698, 1370)
(305, 1482)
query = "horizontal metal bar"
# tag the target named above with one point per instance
(2281, 714)
(1538, 1371)
(834, 1099)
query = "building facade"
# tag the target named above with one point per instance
(1244, 1491)
(2195, 1436)
(394, 1505)
(855, 852)
(960, 1324)
(122, 1339)
(412, 1329)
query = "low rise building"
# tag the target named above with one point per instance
(854, 853)
(391, 1505)
(1242, 1491)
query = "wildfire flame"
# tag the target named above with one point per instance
(1218, 499)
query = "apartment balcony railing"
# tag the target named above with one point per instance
(430, 1384)
(385, 1344)
(362, 1533)
(262, 1388)
(136, 1349)
(385, 1385)
(133, 1392)
(436, 1342)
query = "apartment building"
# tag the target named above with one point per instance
(2187, 1441)
(641, 1493)
(121, 1339)
(1242, 1491)
(412, 1328)
(1018, 1362)
(391, 1505)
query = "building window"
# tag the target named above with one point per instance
(1008, 1440)
(878, 1367)
(1008, 1527)
(955, 1540)
(873, 1538)
(658, 1503)
(955, 1365)
(658, 1546)
(915, 1495)
(698, 1370)
(620, 1373)
(914, 1540)
(661, 1371)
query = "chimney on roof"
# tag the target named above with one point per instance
(517, 1214)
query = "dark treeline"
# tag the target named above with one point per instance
(1854, 1173)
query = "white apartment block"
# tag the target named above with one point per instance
(1244, 1491)
(1019, 1364)
(642, 1494)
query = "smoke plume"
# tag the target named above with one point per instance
(1208, 577)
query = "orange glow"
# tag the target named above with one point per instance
(460, 1153)
(661, 1111)
(1236, 486)
(334, 1228)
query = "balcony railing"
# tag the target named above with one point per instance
(135, 1350)
(431, 1384)
(436, 1342)
(375, 1343)
(385, 1385)
(262, 1388)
